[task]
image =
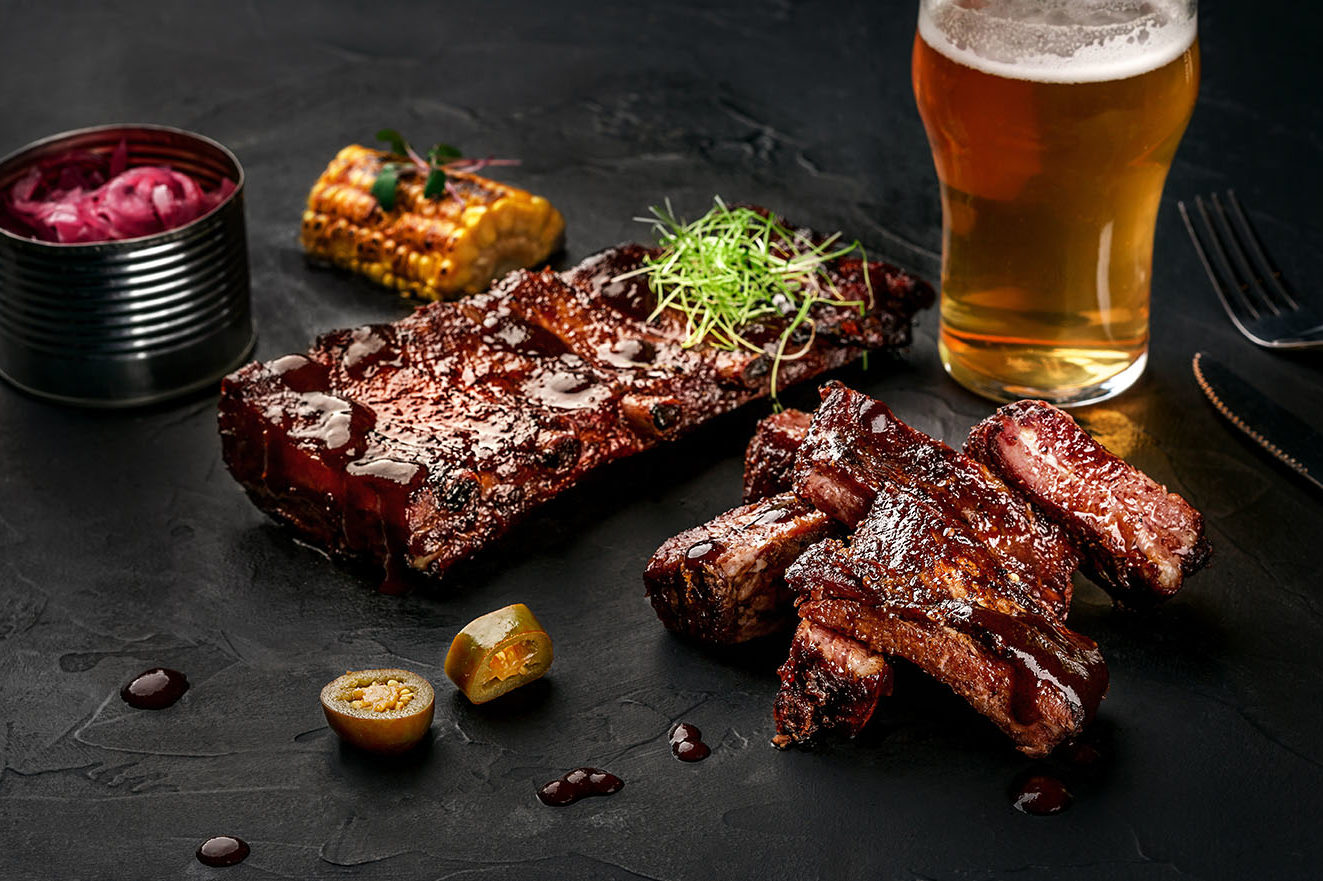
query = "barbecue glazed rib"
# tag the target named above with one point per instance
(914, 581)
(856, 446)
(830, 684)
(416, 444)
(439, 249)
(769, 460)
(1139, 541)
(734, 588)
(723, 582)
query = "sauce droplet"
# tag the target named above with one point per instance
(629, 296)
(773, 516)
(627, 353)
(687, 743)
(154, 689)
(1040, 794)
(223, 850)
(301, 374)
(370, 347)
(706, 551)
(577, 784)
(1082, 755)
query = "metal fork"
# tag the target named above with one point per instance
(1252, 289)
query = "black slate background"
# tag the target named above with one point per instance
(124, 544)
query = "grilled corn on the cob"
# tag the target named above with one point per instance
(441, 248)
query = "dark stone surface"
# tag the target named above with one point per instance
(124, 544)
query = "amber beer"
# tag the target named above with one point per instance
(1052, 125)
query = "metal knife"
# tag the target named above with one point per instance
(1268, 424)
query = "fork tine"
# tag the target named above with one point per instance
(1237, 305)
(1250, 283)
(1267, 268)
(1207, 264)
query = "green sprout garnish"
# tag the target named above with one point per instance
(440, 159)
(734, 267)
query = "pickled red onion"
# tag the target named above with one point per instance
(81, 197)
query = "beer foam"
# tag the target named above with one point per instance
(1059, 41)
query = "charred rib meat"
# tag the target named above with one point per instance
(723, 582)
(830, 684)
(416, 444)
(957, 571)
(916, 582)
(769, 460)
(856, 446)
(1139, 541)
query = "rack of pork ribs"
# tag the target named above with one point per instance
(414, 445)
(890, 544)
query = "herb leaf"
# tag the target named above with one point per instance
(441, 153)
(734, 268)
(441, 160)
(436, 184)
(383, 188)
(398, 145)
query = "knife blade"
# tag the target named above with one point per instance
(1292, 442)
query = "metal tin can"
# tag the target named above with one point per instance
(133, 321)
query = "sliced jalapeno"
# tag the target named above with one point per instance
(497, 653)
(380, 710)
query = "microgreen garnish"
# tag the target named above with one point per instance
(441, 158)
(398, 145)
(383, 188)
(734, 267)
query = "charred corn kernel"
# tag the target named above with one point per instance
(484, 233)
(440, 249)
(498, 652)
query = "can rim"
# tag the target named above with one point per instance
(164, 235)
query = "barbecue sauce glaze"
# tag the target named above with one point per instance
(1040, 794)
(154, 689)
(628, 296)
(706, 551)
(223, 850)
(577, 784)
(774, 516)
(1039, 655)
(368, 347)
(340, 429)
(687, 743)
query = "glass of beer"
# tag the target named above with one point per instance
(1053, 124)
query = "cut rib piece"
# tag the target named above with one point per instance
(915, 582)
(723, 582)
(769, 460)
(830, 684)
(856, 445)
(1140, 541)
(416, 444)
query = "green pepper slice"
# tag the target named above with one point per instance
(497, 653)
(388, 710)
